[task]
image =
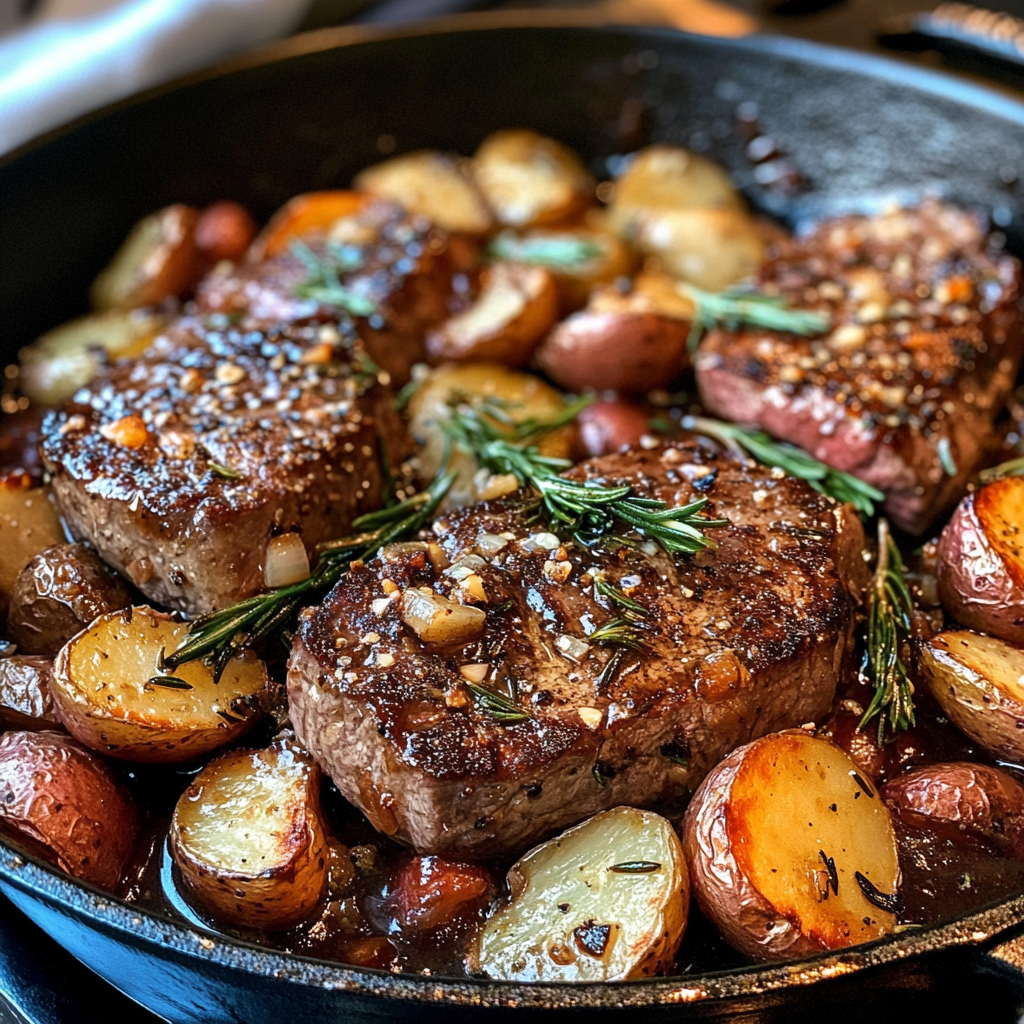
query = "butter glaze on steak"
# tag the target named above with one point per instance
(927, 340)
(746, 639)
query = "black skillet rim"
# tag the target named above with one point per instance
(40, 880)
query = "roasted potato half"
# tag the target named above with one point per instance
(526, 396)
(248, 838)
(114, 694)
(970, 803)
(29, 523)
(791, 851)
(978, 682)
(432, 185)
(58, 594)
(66, 803)
(158, 260)
(528, 179)
(516, 307)
(604, 901)
(25, 698)
(981, 560)
(68, 357)
(625, 340)
(303, 215)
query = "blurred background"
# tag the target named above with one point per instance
(60, 59)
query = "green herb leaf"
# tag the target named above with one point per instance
(323, 284)
(636, 867)
(889, 613)
(946, 457)
(224, 472)
(792, 460)
(500, 706)
(1015, 467)
(544, 250)
(171, 682)
(746, 308)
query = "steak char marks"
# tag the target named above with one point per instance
(742, 640)
(902, 393)
(241, 424)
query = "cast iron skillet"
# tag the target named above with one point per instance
(306, 115)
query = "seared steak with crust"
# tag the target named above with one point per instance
(926, 343)
(179, 466)
(742, 640)
(416, 275)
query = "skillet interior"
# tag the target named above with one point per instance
(306, 115)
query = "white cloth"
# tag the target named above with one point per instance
(73, 56)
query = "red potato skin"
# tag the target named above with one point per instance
(609, 427)
(632, 352)
(973, 804)
(25, 698)
(976, 586)
(224, 231)
(429, 892)
(64, 799)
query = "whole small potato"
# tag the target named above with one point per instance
(633, 341)
(978, 681)
(607, 427)
(25, 698)
(971, 803)
(65, 801)
(224, 231)
(58, 594)
(981, 560)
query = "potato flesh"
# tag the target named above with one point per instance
(528, 397)
(1000, 510)
(245, 809)
(431, 185)
(796, 805)
(564, 896)
(29, 524)
(68, 357)
(978, 681)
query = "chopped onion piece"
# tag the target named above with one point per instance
(436, 620)
(286, 561)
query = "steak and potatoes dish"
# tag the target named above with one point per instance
(493, 570)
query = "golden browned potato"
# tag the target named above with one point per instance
(604, 901)
(683, 209)
(248, 838)
(516, 307)
(981, 560)
(114, 694)
(68, 357)
(58, 594)
(579, 258)
(25, 698)
(791, 851)
(526, 397)
(978, 682)
(433, 185)
(529, 179)
(305, 214)
(66, 803)
(632, 340)
(159, 259)
(29, 523)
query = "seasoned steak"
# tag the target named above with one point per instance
(902, 393)
(739, 641)
(181, 465)
(413, 273)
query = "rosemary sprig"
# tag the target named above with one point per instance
(588, 510)
(224, 472)
(745, 308)
(618, 633)
(221, 636)
(889, 611)
(171, 682)
(500, 706)
(546, 251)
(630, 609)
(635, 867)
(1015, 467)
(792, 460)
(322, 282)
